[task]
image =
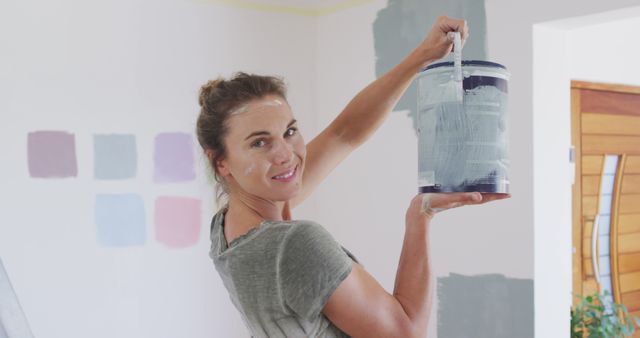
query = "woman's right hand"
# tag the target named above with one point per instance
(424, 206)
(438, 44)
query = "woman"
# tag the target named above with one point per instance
(290, 278)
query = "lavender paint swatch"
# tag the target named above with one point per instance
(173, 158)
(52, 154)
(120, 220)
(114, 156)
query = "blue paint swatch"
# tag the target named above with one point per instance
(120, 220)
(115, 156)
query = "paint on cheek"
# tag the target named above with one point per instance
(249, 169)
(265, 168)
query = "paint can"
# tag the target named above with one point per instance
(462, 144)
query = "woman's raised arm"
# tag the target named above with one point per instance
(369, 108)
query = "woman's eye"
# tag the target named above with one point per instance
(258, 143)
(290, 132)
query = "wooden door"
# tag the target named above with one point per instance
(605, 122)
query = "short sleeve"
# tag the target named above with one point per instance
(311, 266)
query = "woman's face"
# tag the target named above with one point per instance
(265, 151)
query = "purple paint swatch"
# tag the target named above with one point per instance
(177, 221)
(52, 154)
(173, 158)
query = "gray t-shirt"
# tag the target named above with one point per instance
(280, 275)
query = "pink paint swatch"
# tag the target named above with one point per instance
(177, 221)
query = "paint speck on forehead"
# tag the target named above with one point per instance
(275, 102)
(255, 105)
(240, 109)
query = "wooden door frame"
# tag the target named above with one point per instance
(576, 140)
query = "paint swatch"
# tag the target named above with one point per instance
(114, 156)
(52, 154)
(120, 220)
(177, 221)
(173, 158)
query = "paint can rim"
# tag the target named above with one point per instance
(465, 63)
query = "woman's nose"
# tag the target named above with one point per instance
(282, 152)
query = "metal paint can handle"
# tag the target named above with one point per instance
(457, 62)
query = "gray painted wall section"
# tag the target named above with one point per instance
(485, 306)
(403, 24)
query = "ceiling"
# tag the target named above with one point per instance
(299, 7)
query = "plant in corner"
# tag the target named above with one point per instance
(597, 317)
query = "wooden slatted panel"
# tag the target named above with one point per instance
(590, 184)
(629, 262)
(589, 286)
(592, 164)
(630, 204)
(587, 267)
(633, 165)
(602, 102)
(589, 204)
(608, 87)
(631, 300)
(610, 124)
(576, 258)
(629, 281)
(629, 243)
(628, 223)
(606, 144)
(631, 184)
(587, 229)
(586, 248)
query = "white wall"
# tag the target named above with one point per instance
(594, 48)
(136, 66)
(123, 67)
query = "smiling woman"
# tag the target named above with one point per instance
(290, 278)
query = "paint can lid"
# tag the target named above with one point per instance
(465, 63)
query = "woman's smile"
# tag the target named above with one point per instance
(287, 176)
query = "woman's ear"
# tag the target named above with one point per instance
(219, 166)
(222, 168)
(209, 154)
